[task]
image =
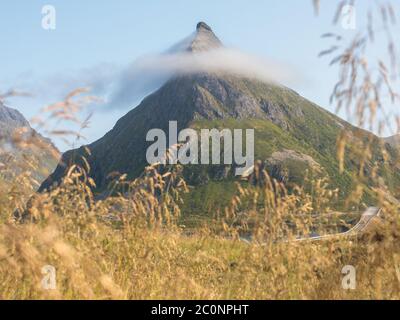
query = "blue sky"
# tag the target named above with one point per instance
(98, 34)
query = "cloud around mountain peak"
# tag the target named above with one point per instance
(124, 87)
(201, 52)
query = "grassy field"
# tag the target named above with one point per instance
(134, 247)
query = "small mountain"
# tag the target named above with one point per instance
(293, 135)
(22, 148)
(10, 119)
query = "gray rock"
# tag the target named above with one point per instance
(10, 119)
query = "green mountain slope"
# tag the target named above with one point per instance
(293, 135)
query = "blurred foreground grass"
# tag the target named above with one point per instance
(131, 247)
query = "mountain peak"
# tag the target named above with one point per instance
(203, 26)
(204, 39)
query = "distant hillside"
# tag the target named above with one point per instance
(23, 149)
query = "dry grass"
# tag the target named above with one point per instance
(130, 247)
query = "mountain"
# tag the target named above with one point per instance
(23, 149)
(292, 134)
(10, 119)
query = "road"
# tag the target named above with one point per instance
(366, 218)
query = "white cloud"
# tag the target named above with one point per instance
(124, 87)
(148, 73)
